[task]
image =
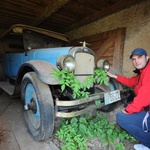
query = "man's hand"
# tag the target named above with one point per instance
(111, 75)
(124, 111)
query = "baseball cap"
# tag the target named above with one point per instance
(138, 51)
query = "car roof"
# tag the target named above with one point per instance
(18, 28)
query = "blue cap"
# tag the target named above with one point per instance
(138, 51)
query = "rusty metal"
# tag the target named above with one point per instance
(78, 112)
(18, 28)
(43, 69)
(79, 101)
(86, 101)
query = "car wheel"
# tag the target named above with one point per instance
(113, 86)
(39, 107)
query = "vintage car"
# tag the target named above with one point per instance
(29, 56)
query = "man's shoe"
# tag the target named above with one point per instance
(140, 147)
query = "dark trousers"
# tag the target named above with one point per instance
(132, 123)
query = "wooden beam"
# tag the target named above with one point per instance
(104, 12)
(50, 9)
(118, 50)
(104, 48)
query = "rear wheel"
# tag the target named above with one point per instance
(39, 108)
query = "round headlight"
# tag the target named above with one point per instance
(103, 64)
(66, 62)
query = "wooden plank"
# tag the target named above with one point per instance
(4, 102)
(16, 121)
(120, 5)
(118, 50)
(108, 45)
(51, 8)
(105, 47)
(7, 138)
(6, 86)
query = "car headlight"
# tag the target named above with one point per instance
(66, 62)
(103, 64)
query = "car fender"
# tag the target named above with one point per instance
(116, 71)
(42, 68)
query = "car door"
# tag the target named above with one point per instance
(15, 60)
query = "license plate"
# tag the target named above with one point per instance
(112, 97)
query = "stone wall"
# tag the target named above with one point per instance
(135, 19)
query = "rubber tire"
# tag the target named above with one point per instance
(113, 106)
(41, 127)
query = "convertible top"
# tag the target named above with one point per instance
(18, 28)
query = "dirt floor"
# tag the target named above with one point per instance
(13, 131)
(11, 118)
(95, 144)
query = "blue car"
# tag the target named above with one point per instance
(30, 57)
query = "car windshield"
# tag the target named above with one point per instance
(34, 40)
(19, 43)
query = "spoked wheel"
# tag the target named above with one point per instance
(38, 107)
(113, 86)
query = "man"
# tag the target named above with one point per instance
(134, 118)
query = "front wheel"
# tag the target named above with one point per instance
(39, 112)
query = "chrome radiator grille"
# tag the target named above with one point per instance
(85, 64)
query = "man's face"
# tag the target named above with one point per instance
(139, 62)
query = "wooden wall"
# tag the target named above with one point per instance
(108, 45)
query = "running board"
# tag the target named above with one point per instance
(7, 87)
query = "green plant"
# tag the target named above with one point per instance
(80, 89)
(75, 133)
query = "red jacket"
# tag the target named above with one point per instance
(141, 84)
